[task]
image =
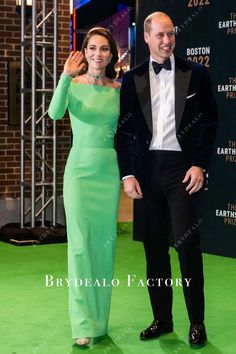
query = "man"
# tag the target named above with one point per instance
(165, 138)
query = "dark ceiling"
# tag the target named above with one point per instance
(98, 10)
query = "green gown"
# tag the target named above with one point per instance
(91, 197)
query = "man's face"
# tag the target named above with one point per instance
(161, 39)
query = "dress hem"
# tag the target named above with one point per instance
(90, 335)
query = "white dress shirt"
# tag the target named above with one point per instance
(162, 87)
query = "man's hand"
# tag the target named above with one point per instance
(132, 188)
(195, 177)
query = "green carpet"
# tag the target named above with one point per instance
(34, 318)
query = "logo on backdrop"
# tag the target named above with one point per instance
(229, 89)
(195, 3)
(228, 215)
(199, 55)
(188, 20)
(229, 25)
(229, 153)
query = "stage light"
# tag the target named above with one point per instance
(28, 9)
(28, 2)
(71, 7)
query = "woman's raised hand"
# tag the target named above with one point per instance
(74, 64)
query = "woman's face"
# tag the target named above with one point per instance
(98, 52)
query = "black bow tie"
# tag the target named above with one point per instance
(157, 67)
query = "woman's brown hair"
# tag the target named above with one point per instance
(100, 31)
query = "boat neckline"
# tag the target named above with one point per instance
(94, 85)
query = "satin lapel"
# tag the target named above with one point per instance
(182, 81)
(142, 83)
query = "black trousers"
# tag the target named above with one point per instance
(164, 196)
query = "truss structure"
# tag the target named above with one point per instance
(38, 135)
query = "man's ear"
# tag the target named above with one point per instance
(146, 37)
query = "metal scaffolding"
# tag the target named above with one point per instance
(38, 163)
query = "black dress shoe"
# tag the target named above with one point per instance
(197, 335)
(157, 328)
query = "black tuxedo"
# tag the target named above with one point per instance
(136, 117)
(160, 175)
(196, 119)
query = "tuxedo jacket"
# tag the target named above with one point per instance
(195, 116)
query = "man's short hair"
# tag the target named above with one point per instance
(148, 20)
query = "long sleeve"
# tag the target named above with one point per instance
(126, 147)
(59, 101)
(207, 124)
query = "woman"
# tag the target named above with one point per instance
(91, 179)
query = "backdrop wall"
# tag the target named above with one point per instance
(206, 33)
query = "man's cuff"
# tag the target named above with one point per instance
(123, 178)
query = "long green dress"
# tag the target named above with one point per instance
(91, 197)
